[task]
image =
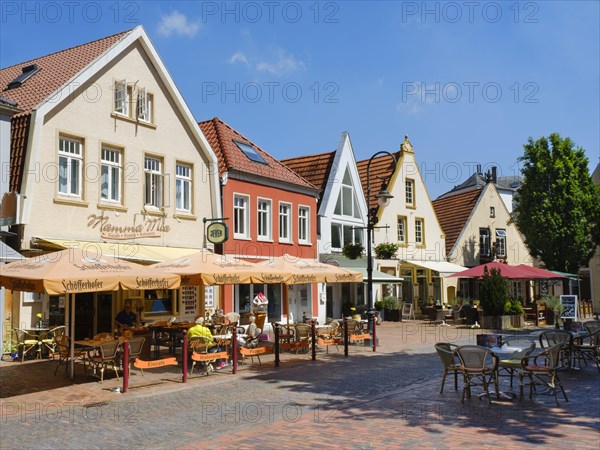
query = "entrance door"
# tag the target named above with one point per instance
(84, 315)
(104, 313)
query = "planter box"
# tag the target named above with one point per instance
(517, 321)
(496, 322)
(392, 315)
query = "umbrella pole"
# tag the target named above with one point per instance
(286, 302)
(72, 320)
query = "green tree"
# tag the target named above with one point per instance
(558, 205)
(493, 292)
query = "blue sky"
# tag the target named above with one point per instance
(469, 82)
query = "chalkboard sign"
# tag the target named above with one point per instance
(569, 303)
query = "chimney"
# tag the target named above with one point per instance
(494, 175)
(479, 169)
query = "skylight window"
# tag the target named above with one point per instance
(250, 152)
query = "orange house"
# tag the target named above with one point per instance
(270, 211)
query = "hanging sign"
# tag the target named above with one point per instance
(217, 232)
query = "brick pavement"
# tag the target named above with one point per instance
(389, 399)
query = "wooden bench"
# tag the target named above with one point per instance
(328, 342)
(208, 358)
(252, 352)
(360, 337)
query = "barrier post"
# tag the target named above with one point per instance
(234, 349)
(313, 331)
(277, 332)
(374, 333)
(345, 337)
(184, 355)
(125, 366)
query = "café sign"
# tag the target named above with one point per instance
(148, 228)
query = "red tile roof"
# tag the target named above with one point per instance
(56, 69)
(380, 172)
(220, 136)
(453, 211)
(314, 168)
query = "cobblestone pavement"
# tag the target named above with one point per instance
(388, 399)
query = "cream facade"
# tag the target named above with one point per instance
(116, 164)
(414, 226)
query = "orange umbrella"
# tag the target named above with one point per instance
(302, 271)
(74, 270)
(206, 268)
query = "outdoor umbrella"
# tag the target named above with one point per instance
(520, 272)
(207, 268)
(302, 271)
(74, 271)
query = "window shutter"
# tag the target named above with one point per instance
(120, 95)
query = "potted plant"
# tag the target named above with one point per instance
(386, 250)
(514, 309)
(391, 307)
(493, 294)
(379, 307)
(352, 251)
(554, 304)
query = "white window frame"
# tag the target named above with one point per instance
(264, 225)
(419, 230)
(285, 222)
(183, 187)
(409, 189)
(153, 182)
(401, 221)
(304, 224)
(144, 106)
(483, 245)
(501, 242)
(243, 212)
(70, 157)
(111, 167)
(121, 98)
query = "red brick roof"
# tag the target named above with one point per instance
(221, 138)
(314, 168)
(380, 173)
(56, 69)
(453, 211)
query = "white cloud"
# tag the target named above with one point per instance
(238, 57)
(415, 96)
(178, 24)
(285, 63)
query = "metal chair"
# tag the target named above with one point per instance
(543, 371)
(26, 342)
(447, 353)
(479, 368)
(63, 345)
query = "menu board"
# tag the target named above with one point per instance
(209, 296)
(569, 303)
(188, 299)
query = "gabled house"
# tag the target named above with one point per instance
(106, 156)
(271, 211)
(412, 224)
(478, 229)
(342, 213)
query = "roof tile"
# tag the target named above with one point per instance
(220, 136)
(314, 168)
(453, 211)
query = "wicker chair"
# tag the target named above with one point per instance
(589, 350)
(447, 353)
(514, 363)
(543, 371)
(27, 342)
(479, 368)
(108, 354)
(202, 345)
(136, 345)
(63, 345)
(551, 338)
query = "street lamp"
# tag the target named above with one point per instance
(383, 200)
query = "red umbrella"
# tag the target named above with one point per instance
(510, 272)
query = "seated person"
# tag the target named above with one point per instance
(252, 332)
(126, 317)
(200, 330)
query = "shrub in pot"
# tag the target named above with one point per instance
(386, 250)
(352, 251)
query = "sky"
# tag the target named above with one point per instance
(468, 82)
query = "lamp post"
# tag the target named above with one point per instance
(383, 199)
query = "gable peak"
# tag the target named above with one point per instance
(406, 146)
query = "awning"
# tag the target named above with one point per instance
(360, 265)
(572, 276)
(130, 251)
(443, 267)
(8, 254)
